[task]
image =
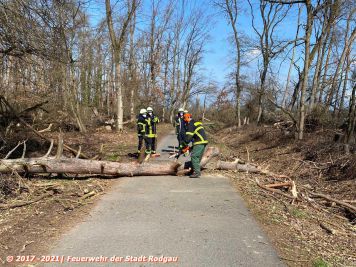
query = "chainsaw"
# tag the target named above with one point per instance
(183, 151)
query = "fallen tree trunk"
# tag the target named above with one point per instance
(236, 166)
(82, 166)
(209, 153)
(240, 165)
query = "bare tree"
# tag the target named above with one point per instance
(230, 8)
(117, 42)
(194, 47)
(272, 15)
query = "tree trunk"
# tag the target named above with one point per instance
(283, 104)
(117, 44)
(348, 42)
(81, 166)
(308, 31)
(347, 69)
(262, 90)
(315, 78)
(132, 69)
(231, 8)
(225, 165)
(351, 121)
(326, 67)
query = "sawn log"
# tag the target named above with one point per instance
(83, 166)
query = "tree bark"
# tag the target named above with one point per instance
(117, 44)
(283, 104)
(82, 166)
(232, 13)
(307, 59)
(224, 165)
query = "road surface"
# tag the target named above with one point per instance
(147, 220)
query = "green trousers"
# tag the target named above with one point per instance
(197, 154)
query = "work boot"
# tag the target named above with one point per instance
(194, 175)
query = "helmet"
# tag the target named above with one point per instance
(187, 116)
(180, 110)
(185, 111)
(149, 109)
(143, 111)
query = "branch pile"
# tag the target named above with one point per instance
(284, 186)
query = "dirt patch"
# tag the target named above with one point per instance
(32, 229)
(61, 201)
(305, 234)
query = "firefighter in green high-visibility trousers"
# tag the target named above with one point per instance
(154, 121)
(195, 133)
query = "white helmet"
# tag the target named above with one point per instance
(149, 109)
(143, 111)
(185, 111)
(180, 110)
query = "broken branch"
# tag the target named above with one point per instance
(25, 203)
(341, 203)
(274, 190)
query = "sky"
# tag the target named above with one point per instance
(217, 62)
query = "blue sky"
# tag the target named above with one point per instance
(217, 61)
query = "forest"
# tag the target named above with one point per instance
(272, 81)
(152, 53)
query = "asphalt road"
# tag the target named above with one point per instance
(191, 222)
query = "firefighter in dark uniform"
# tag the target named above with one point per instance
(195, 133)
(154, 121)
(143, 131)
(180, 129)
(141, 128)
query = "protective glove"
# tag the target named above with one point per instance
(185, 151)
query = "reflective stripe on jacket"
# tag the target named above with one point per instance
(154, 120)
(141, 125)
(149, 129)
(195, 133)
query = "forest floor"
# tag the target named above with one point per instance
(314, 233)
(304, 233)
(32, 229)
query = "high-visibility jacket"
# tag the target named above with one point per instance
(149, 129)
(141, 125)
(195, 133)
(154, 120)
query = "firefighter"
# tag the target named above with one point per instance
(153, 120)
(195, 133)
(141, 128)
(149, 136)
(180, 129)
